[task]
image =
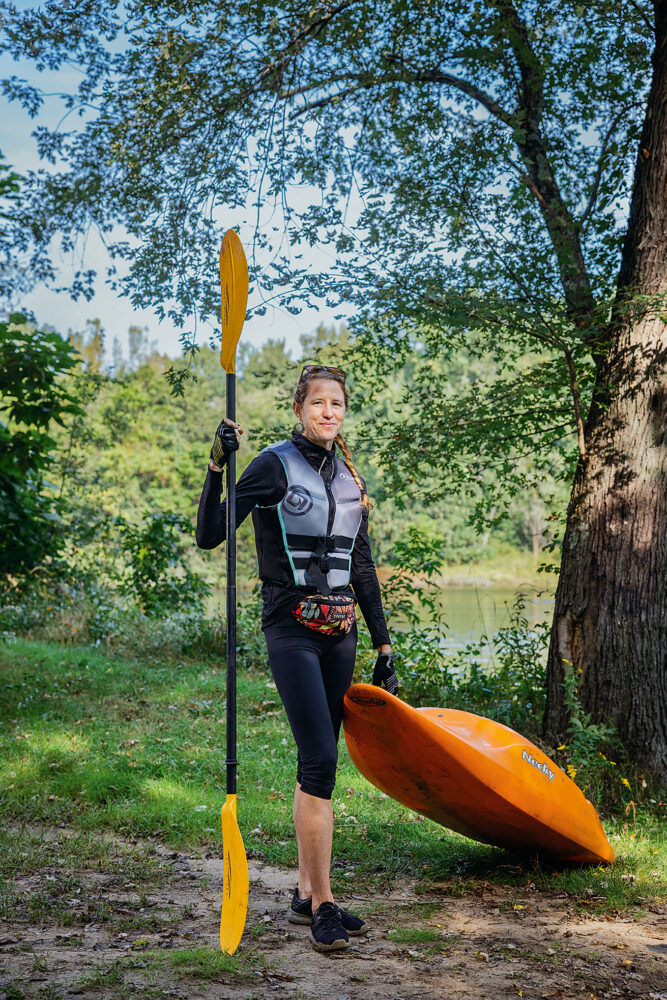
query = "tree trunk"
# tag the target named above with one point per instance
(610, 620)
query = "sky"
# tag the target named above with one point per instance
(116, 313)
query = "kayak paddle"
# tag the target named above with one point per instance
(234, 288)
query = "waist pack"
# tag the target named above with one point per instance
(333, 615)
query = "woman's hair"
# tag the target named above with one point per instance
(347, 458)
(300, 394)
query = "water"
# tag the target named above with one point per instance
(474, 612)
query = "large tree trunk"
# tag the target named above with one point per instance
(610, 621)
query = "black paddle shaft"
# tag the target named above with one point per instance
(231, 597)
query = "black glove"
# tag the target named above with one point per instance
(384, 672)
(224, 442)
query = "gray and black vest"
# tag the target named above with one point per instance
(317, 525)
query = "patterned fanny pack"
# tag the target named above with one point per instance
(333, 615)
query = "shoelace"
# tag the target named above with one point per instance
(330, 916)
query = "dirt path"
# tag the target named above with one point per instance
(494, 944)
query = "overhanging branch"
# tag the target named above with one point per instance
(598, 173)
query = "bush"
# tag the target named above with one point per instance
(510, 689)
(595, 758)
(157, 577)
(33, 397)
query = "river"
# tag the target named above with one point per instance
(473, 612)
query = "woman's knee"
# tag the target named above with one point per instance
(317, 775)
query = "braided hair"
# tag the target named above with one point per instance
(347, 458)
(300, 394)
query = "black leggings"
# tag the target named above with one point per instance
(312, 673)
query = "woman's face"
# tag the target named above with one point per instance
(323, 411)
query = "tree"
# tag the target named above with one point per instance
(10, 187)
(32, 396)
(469, 165)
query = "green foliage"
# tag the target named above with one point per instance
(9, 186)
(501, 677)
(14, 276)
(460, 209)
(410, 594)
(361, 96)
(157, 579)
(481, 421)
(34, 394)
(78, 612)
(507, 685)
(594, 756)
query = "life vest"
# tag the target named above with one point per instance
(318, 521)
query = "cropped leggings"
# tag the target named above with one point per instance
(312, 673)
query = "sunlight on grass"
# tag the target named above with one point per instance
(144, 758)
(167, 793)
(58, 744)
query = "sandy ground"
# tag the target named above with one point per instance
(496, 943)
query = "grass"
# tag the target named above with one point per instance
(105, 744)
(413, 935)
(207, 963)
(56, 859)
(198, 964)
(107, 976)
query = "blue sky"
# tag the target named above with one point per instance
(116, 314)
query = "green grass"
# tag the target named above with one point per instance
(106, 976)
(199, 964)
(101, 743)
(414, 935)
(61, 894)
(422, 942)
(209, 963)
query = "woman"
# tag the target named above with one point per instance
(310, 514)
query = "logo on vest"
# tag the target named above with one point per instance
(344, 475)
(298, 500)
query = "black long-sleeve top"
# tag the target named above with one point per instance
(264, 482)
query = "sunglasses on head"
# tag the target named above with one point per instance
(321, 370)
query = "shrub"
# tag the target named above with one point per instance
(510, 688)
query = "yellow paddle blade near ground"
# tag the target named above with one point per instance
(234, 879)
(234, 289)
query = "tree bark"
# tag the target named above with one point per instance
(610, 621)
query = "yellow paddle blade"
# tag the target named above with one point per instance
(234, 880)
(234, 290)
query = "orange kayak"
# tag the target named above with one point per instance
(471, 775)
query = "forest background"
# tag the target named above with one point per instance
(508, 324)
(132, 460)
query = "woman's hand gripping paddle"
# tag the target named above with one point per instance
(234, 287)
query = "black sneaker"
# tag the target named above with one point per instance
(301, 912)
(327, 931)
